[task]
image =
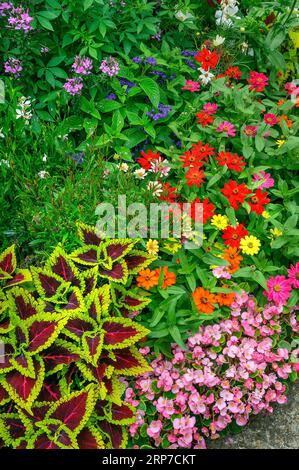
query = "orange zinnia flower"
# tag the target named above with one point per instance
(289, 122)
(232, 255)
(147, 278)
(204, 300)
(225, 299)
(169, 277)
(280, 102)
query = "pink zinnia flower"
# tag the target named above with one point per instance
(192, 86)
(258, 81)
(210, 108)
(279, 289)
(250, 131)
(292, 89)
(264, 178)
(227, 127)
(270, 119)
(294, 275)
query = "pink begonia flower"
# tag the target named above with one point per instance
(192, 86)
(270, 119)
(210, 108)
(228, 128)
(154, 428)
(294, 275)
(264, 178)
(279, 289)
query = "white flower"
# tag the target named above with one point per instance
(2, 136)
(183, 16)
(218, 40)
(123, 167)
(45, 157)
(155, 188)
(43, 174)
(205, 77)
(4, 163)
(140, 173)
(160, 166)
(244, 46)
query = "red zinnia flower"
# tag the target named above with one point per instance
(235, 193)
(148, 158)
(204, 118)
(202, 151)
(169, 194)
(207, 59)
(258, 201)
(208, 209)
(190, 159)
(232, 161)
(194, 177)
(234, 72)
(233, 235)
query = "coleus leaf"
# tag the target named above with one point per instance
(122, 332)
(12, 429)
(20, 277)
(74, 411)
(24, 390)
(90, 438)
(117, 273)
(53, 435)
(87, 235)
(24, 364)
(5, 326)
(116, 434)
(92, 344)
(60, 353)
(122, 414)
(87, 255)
(6, 354)
(43, 329)
(137, 260)
(49, 285)
(75, 328)
(90, 277)
(128, 362)
(129, 299)
(3, 395)
(74, 302)
(97, 303)
(8, 263)
(50, 391)
(60, 264)
(23, 304)
(117, 249)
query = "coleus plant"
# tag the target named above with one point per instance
(66, 343)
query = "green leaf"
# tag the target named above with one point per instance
(151, 89)
(45, 23)
(87, 4)
(176, 335)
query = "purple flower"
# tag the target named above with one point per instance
(82, 65)
(150, 60)
(5, 7)
(19, 19)
(137, 60)
(190, 64)
(74, 86)
(127, 83)
(77, 157)
(44, 49)
(109, 66)
(163, 111)
(13, 66)
(111, 96)
(189, 53)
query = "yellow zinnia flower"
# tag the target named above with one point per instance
(250, 245)
(172, 245)
(266, 215)
(152, 247)
(220, 221)
(275, 232)
(280, 142)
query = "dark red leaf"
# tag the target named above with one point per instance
(116, 250)
(86, 440)
(78, 327)
(3, 394)
(117, 333)
(63, 269)
(133, 261)
(89, 256)
(6, 265)
(17, 279)
(122, 412)
(39, 333)
(93, 344)
(15, 427)
(24, 309)
(4, 325)
(116, 272)
(20, 335)
(89, 237)
(73, 302)
(58, 355)
(125, 359)
(43, 442)
(50, 392)
(132, 302)
(49, 284)
(114, 431)
(90, 284)
(99, 408)
(22, 385)
(5, 356)
(22, 361)
(72, 411)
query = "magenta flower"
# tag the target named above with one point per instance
(4, 8)
(294, 275)
(270, 119)
(292, 89)
(258, 81)
(228, 128)
(19, 19)
(82, 65)
(192, 86)
(109, 67)
(279, 290)
(13, 66)
(74, 86)
(210, 108)
(264, 178)
(250, 131)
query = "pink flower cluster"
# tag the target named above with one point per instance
(5, 7)
(230, 371)
(192, 86)
(109, 66)
(264, 179)
(13, 66)
(74, 86)
(19, 19)
(82, 65)
(258, 81)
